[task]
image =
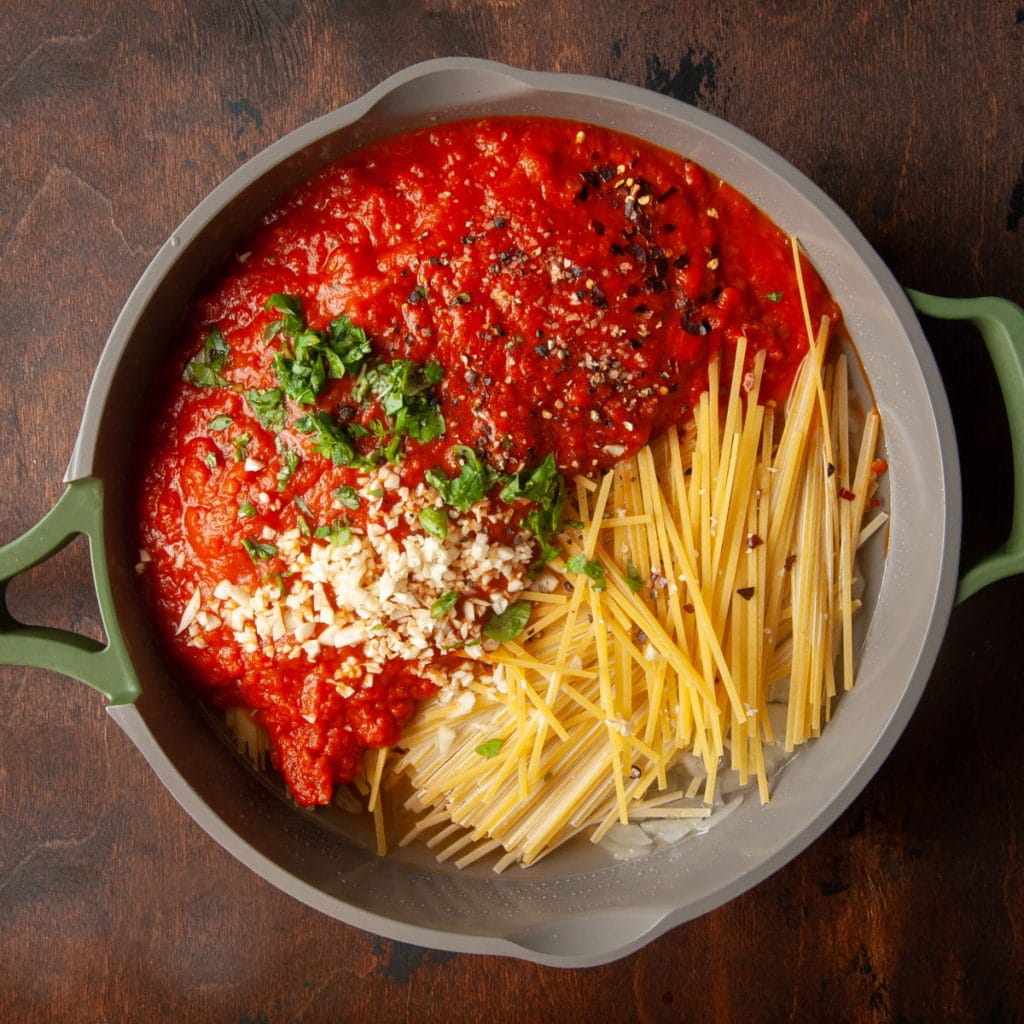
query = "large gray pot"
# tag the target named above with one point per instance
(578, 907)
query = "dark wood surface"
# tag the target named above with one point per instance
(115, 119)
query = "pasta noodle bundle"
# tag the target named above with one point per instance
(703, 571)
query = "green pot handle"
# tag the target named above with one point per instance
(105, 667)
(1001, 324)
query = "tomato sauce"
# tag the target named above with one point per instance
(571, 282)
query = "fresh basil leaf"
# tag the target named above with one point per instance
(207, 369)
(490, 748)
(435, 522)
(592, 569)
(348, 346)
(333, 441)
(210, 458)
(444, 604)
(268, 405)
(337, 533)
(510, 623)
(346, 496)
(544, 485)
(303, 377)
(241, 446)
(290, 308)
(470, 486)
(259, 551)
(219, 423)
(289, 463)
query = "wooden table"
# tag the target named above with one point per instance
(115, 119)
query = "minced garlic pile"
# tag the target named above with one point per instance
(377, 589)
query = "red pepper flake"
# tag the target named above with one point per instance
(688, 607)
(753, 541)
(874, 503)
(746, 593)
(879, 466)
(846, 495)
(788, 564)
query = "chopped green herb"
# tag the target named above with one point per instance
(219, 423)
(246, 510)
(403, 389)
(470, 486)
(241, 446)
(333, 441)
(593, 569)
(632, 577)
(269, 407)
(337, 533)
(773, 296)
(435, 522)
(346, 496)
(510, 623)
(289, 463)
(347, 347)
(259, 551)
(309, 358)
(444, 604)
(545, 487)
(490, 748)
(300, 504)
(377, 492)
(207, 369)
(290, 308)
(210, 458)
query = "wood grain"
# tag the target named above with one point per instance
(115, 119)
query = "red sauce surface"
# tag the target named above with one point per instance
(573, 283)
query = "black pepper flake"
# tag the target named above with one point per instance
(830, 470)
(668, 228)
(583, 195)
(499, 222)
(634, 771)
(668, 192)
(745, 592)
(598, 297)
(682, 261)
(591, 178)
(635, 344)
(468, 239)
(416, 296)
(606, 172)
(641, 309)
(597, 227)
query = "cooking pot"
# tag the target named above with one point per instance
(579, 906)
